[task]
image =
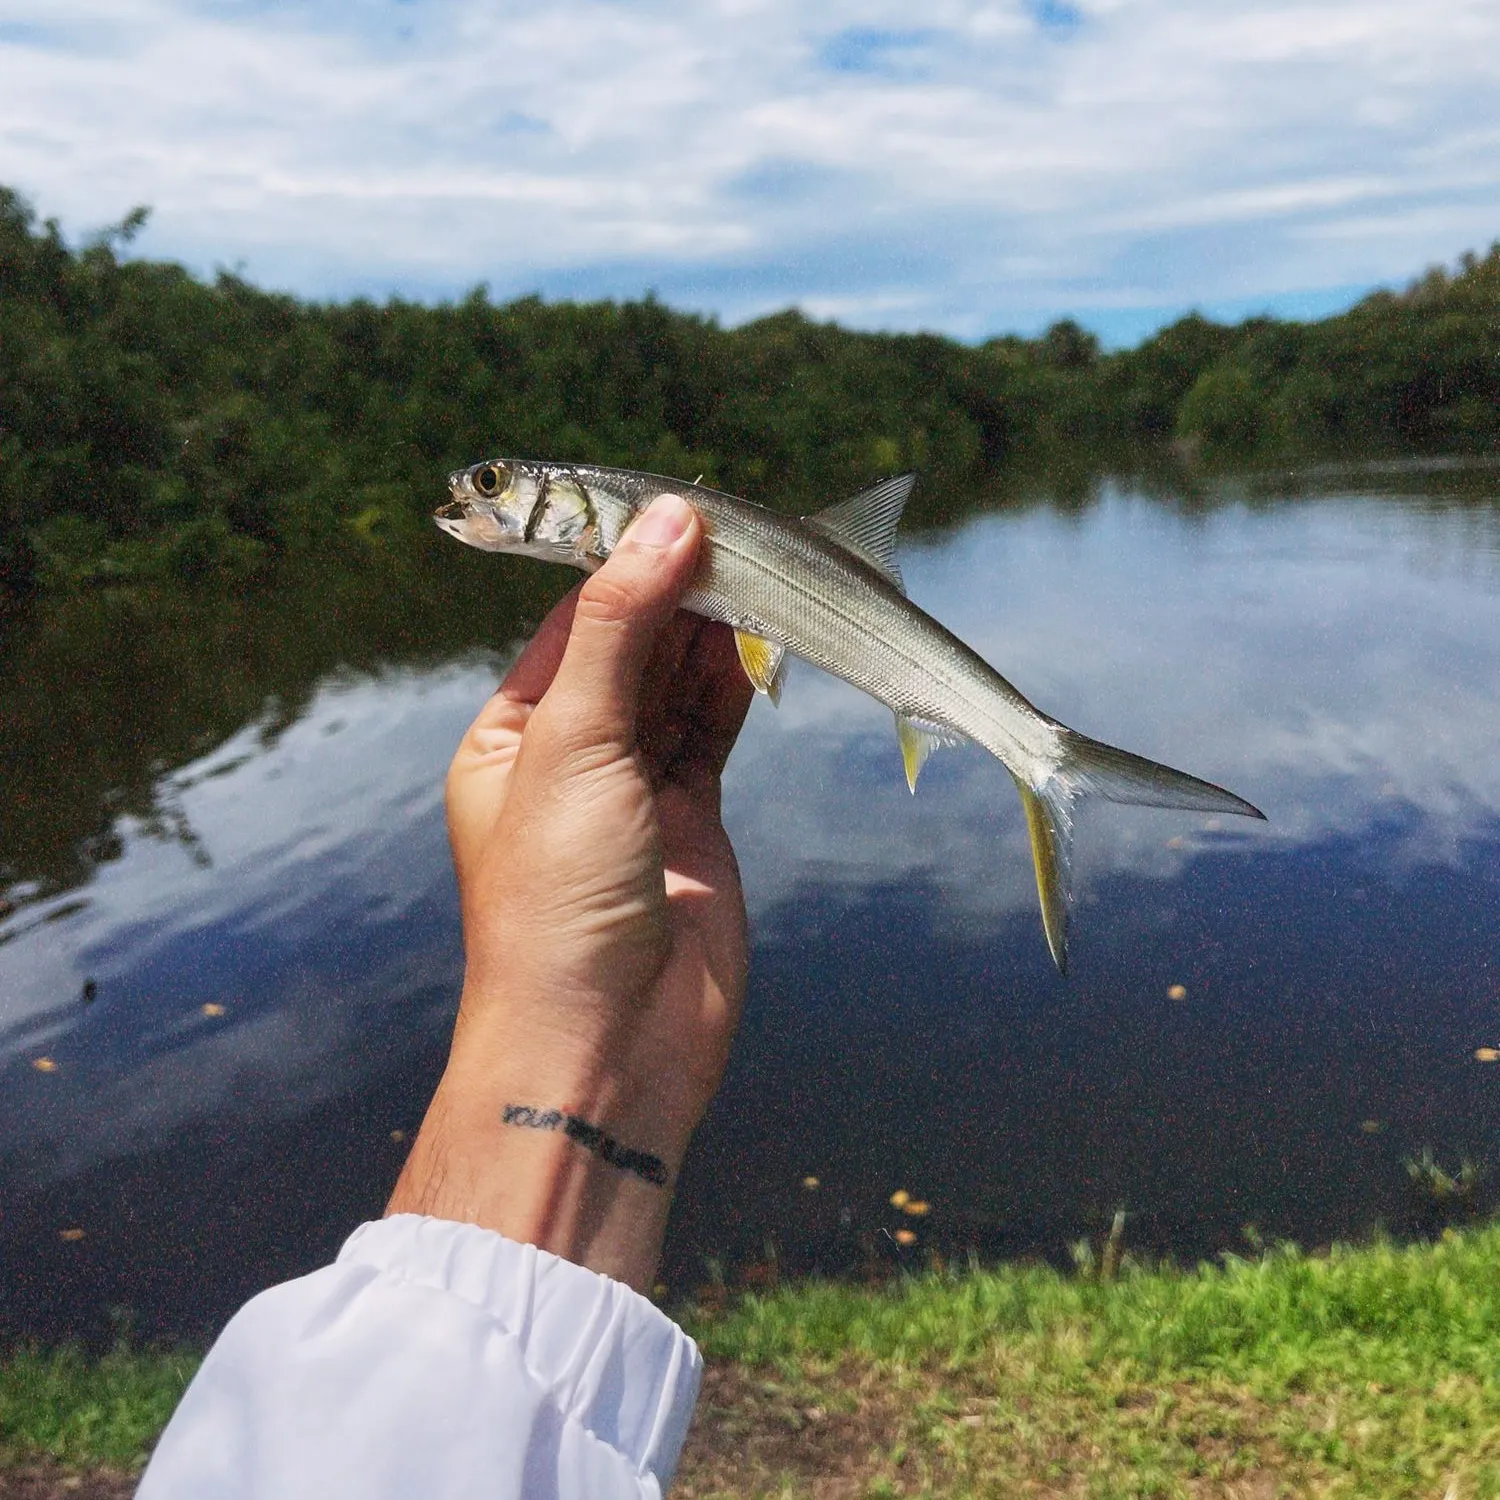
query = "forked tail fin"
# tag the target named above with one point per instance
(1094, 769)
(1049, 821)
(1089, 768)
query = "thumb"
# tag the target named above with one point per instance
(621, 610)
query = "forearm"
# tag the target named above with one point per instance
(553, 1142)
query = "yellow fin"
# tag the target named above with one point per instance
(1051, 829)
(764, 663)
(916, 745)
(918, 739)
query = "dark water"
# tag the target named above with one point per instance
(235, 802)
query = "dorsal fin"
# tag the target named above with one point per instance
(866, 524)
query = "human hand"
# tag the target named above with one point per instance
(604, 927)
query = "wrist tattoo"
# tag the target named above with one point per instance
(643, 1164)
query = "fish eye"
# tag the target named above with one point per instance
(488, 480)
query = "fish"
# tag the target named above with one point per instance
(827, 588)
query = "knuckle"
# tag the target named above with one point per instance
(608, 598)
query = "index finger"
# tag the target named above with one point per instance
(724, 698)
(536, 666)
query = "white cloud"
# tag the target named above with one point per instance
(980, 170)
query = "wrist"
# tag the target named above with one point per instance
(548, 1145)
(600, 1057)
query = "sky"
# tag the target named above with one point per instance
(969, 168)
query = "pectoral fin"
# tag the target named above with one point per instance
(764, 663)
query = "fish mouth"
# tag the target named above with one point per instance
(454, 510)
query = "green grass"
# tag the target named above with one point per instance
(1380, 1312)
(1372, 1371)
(103, 1411)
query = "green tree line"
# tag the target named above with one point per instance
(153, 424)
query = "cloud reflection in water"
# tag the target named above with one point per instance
(1333, 660)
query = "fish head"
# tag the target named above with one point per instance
(536, 510)
(487, 508)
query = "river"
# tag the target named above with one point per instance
(229, 951)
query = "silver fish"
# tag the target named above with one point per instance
(827, 588)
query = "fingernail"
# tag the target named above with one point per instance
(662, 522)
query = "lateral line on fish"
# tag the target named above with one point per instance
(822, 602)
(937, 673)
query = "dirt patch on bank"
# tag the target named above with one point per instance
(49, 1481)
(754, 1434)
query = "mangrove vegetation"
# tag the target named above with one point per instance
(155, 425)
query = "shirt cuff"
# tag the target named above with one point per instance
(611, 1361)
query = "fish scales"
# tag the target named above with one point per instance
(828, 607)
(826, 588)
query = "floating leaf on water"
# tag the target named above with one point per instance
(1177, 842)
(398, 1136)
(900, 1198)
(916, 1207)
(1487, 1054)
(1372, 1127)
(1176, 992)
(71, 1235)
(44, 1065)
(212, 1009)
(811, 1184)
(905, 1237)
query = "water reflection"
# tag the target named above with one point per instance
(1245, 1000)
(1325, 660)
(312, 900)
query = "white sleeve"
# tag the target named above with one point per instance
(435, 1360)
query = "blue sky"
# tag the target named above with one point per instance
(974, 168)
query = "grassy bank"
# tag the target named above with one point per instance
(84, 1412)
(1371, 1371)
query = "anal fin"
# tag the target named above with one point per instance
(764, 663)
(918, 740)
